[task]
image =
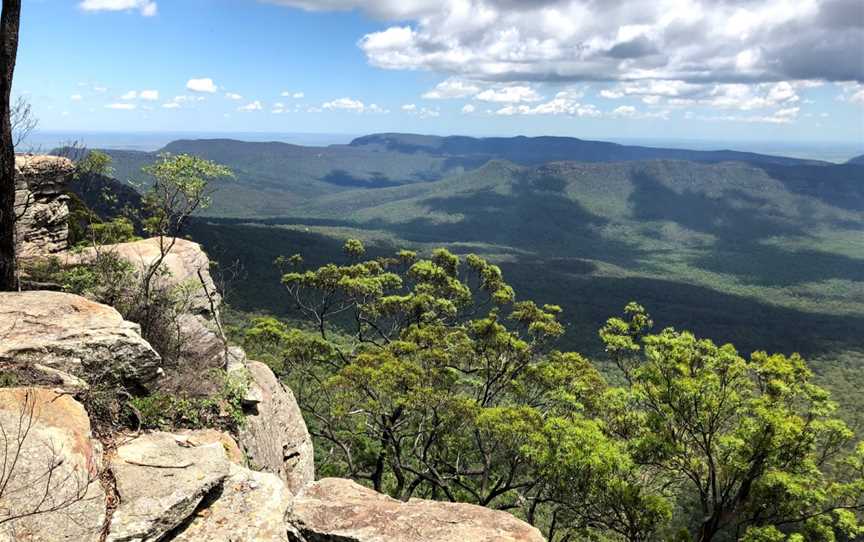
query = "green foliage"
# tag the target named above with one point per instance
(426, 377)
(117, 230)
(181, 186)
(94, 163)
(165, 411)
(755, 441)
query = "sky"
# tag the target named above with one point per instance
(789, 70)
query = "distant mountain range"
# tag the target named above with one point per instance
(279, 179)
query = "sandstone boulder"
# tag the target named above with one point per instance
(251, 506)
(274, 435)
(73, 335)
(55, 473)
(42, 204)
(161, 479)
(181, 267)
(337, 510)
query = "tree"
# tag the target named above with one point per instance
(427, 378)
(9, 23)
(181, 187)
(754, 441)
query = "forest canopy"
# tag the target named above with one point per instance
(428, 377)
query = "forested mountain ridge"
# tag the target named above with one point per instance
(538, 150)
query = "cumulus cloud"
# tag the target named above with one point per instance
(76, 97)
(131, 95)
(409, 107)
(171, 105)
(250, 107)
(121, 106)
(350, 104)
(204, 84)
(147, 8)
(696, 41)
(233, 96)
(294, 95)
(179, 101)
(149, 95)
(467, 109)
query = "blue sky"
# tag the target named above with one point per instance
(716, 70)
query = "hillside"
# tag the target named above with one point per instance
(859, 160)
(278, 179)
(772, 247)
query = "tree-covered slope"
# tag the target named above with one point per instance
(277, 179)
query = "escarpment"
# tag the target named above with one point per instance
(81, 384)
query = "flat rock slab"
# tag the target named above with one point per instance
(251, 506)
(73, 335)
(338, 510)
(274, 434)
(55, 438)
(161, 479)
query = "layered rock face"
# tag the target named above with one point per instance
(74, 338)
(41, 204)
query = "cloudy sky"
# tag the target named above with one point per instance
(712, 69)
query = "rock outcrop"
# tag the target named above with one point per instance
(73, 336)
(274, 435)
(337, 510)
(161, 479)
(181, 266)
(251, 506)
(52, 468)
(41, 203)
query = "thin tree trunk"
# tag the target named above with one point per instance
(9, 22)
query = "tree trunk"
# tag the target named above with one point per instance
(9, 22)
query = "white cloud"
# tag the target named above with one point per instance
(204, 84)
(171, 105)
(566, 102)
(467, 109)
(422, 112)
(698, 41)
(181, 100)
(509, 94)
(251, 106)
(100, 90)
(452, 88)
(347, 104)
(131, 95)
(233, 96)
(852, 92)
(149, 95)
(147, 8)
(76, 97)
(350, 104)
(124, 106)
(295, 95)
